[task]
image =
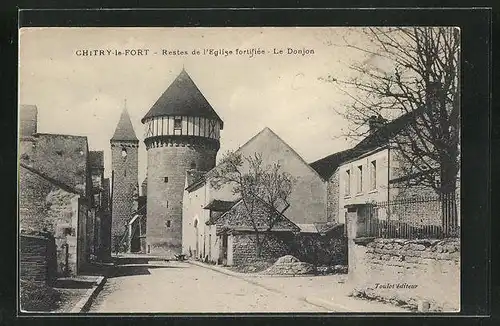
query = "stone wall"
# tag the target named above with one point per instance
(63, 158)
(407, 271)
(44, 205)
(273, 246)
(37, 258)
(164, 209)
(125, 182)
(332, 195)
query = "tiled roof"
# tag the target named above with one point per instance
(307, 228)
(96, 159)
(327, 165)
(220, 205)
(194, 176)
(182, 98)
(124, 129)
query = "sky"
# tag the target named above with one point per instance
(84, 95)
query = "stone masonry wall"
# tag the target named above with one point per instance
(332, 203)
(43, 205)
(125, 181)
(164, 208)
(37, 258)
(245, 248)
(406, 271)
(64, 158)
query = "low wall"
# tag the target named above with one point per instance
(37, 258)
(273, 246)
(407, 271)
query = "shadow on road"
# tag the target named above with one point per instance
(139, 266)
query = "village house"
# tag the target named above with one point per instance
(214, 227)
(62, 192)
(394, 225)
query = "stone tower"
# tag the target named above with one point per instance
(124, 163)
(182, 133)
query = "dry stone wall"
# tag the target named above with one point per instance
(273, 246)
(408, 271)
(37, 258)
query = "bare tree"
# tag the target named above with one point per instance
(411, 73)
(256, 185)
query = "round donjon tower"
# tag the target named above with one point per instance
(182, 133)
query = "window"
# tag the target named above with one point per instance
(166, 203)
(165, 179)
(193, 165)
(373, 175)
(360, 179)
(124, 152)
(168, 223)
(347, 183)
(177, 123)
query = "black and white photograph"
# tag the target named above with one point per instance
(239, 170)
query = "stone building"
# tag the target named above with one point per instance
(203, 205)
(182, 133)
(371, 172)
(124, 180)
(55, 191)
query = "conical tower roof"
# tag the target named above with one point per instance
(182, 98)
(124, 129)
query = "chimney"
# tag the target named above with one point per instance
(375, 123)
(28, 120)
(433, 92)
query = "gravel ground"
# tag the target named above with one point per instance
(183, 288)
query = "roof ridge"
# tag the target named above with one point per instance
(124, 128)
(286, 144)
(182, 98)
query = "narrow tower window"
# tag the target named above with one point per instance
(177, 123)
(373, 176)
(124, 152)
(167, 223)
(165, 179)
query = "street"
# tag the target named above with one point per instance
(174, 287)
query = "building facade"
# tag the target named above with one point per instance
(56, 177)
(203, 204)
(182, 132)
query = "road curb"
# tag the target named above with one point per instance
(84, 304)
(330, 306)
(243, 275)
(322, 303)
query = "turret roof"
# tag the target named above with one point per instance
(124, 129)
(182, 98)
